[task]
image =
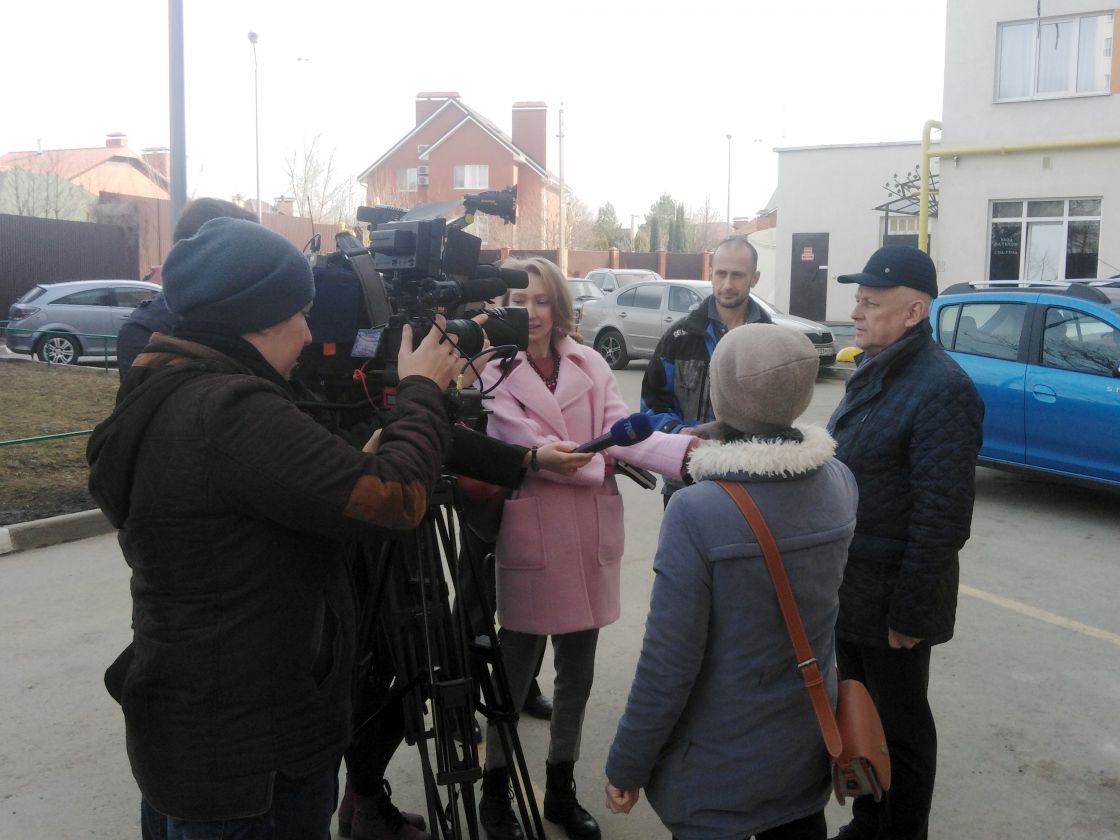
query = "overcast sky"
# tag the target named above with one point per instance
(649, 90)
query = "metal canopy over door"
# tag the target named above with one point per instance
(808, 281)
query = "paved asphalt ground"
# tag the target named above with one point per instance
(1026, 695)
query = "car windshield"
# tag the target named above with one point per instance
(31, 295)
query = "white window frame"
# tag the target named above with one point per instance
(471, 176)
(1071, 91)
(1025, 221)
(899, 225)
(406, 179)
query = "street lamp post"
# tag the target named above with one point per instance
(730, 229)
(257, 123)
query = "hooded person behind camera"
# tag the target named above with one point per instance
(231, 504)
(719, 728)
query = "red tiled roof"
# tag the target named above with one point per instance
(101, 168)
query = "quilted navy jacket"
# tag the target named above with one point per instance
(909, 429)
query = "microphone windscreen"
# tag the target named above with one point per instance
(631, 430)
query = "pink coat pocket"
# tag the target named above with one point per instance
(521, 538)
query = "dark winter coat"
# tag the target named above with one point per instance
(719, 728)
(149, 317)
(231, 505)
(909, 428)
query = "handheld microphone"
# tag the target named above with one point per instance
(624, 432)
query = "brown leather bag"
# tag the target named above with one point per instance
(853, 736)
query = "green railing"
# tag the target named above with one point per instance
(104, 339)
(38, 438)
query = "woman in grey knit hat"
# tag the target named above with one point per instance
(719, 728)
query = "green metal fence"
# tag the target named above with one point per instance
(105, 339)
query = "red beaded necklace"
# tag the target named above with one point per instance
(549, 378)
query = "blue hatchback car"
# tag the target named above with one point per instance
(1046, 361)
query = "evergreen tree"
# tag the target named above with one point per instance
(654, 234)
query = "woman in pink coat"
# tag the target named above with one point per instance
(561, 540)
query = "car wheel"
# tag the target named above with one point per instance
(58, 350)
(612, 348)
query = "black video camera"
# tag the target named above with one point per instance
(417, 265)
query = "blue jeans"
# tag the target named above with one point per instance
(301, 810)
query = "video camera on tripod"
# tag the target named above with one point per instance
(417, 265)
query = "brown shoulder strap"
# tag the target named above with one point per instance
(806, 663)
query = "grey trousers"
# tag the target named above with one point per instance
(574, 662)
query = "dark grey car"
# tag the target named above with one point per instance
(60, 322)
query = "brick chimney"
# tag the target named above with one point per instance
(530, 129)
(285, 206)
(430, 102)
(116, 140)
(159, 158)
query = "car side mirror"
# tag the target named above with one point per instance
(692, 307)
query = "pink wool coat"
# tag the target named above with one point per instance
(560, 545)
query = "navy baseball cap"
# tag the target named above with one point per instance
(897, 265)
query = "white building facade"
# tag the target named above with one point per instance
(1032, 105)
(828, 223)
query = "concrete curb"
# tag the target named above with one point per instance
(53, 530)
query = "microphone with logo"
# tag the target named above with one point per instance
(625, 432)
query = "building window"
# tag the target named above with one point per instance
(902, 225)
(472, 176)
(1053, 57)
(406, 179)
(1045, 241)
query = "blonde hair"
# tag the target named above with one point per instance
(563, 319)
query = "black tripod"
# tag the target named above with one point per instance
(446, 658)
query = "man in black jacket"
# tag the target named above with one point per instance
(232, 505)
(675, 386)
(909, 428)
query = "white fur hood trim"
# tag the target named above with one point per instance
(777, 459)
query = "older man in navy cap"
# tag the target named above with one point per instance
(909, 428)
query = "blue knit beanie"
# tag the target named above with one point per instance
(236, 277)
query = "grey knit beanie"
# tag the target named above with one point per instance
(762, 378)
(236, 277)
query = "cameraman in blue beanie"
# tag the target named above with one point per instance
(232, 506)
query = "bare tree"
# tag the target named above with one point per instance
(36, 186)
(318, 189)
(383, 187)
(580, 225)
(707, 226)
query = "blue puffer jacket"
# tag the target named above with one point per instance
(909, 428)
(719, 729)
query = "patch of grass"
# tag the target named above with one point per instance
(47, 478)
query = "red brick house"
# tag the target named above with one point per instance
(453, 150)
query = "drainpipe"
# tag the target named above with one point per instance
(963, 151)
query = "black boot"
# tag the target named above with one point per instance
(495, 811)
(560, 805)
